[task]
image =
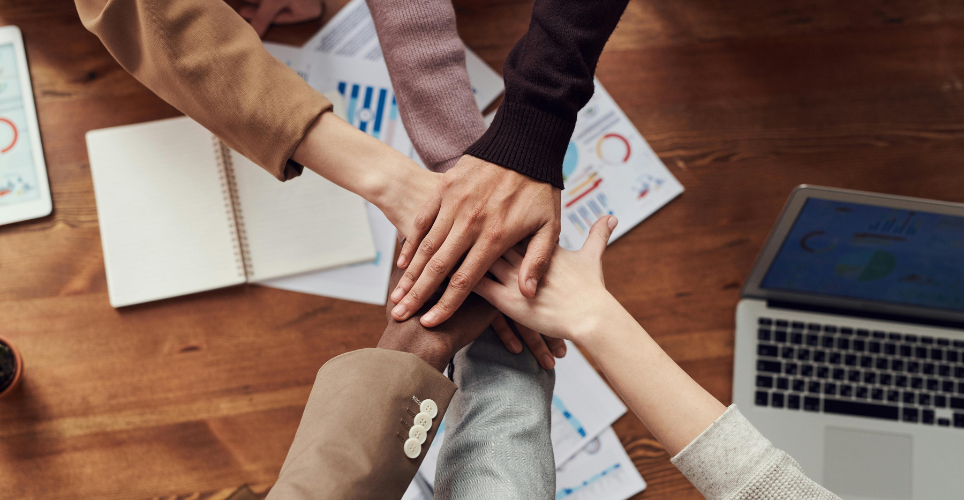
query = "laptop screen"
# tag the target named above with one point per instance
(873, 253)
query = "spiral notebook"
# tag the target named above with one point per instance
(182, 213)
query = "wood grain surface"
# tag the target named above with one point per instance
(195, 396)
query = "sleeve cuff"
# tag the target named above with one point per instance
(527, 140)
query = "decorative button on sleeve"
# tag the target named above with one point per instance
(418, 432)
(429, 406)
(424, 420)
(412, 448)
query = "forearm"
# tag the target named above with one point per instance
(668, 401)
(426, 61)
(202, 58)
(365, 166)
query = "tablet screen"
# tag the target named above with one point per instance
(18, 173)
(871, 252)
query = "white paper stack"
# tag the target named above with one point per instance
(590, 461)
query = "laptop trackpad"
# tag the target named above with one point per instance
(867, 464)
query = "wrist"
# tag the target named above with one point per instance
(606, 311)
(430, 350)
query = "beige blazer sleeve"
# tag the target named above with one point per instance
(350, 441)
(205, 60)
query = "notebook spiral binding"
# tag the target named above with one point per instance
(233, 208)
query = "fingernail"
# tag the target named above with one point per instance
(612, 222)
(548, 362)
(560, 352)
(531, 284)
(429, 317)
(515, 346)
(402, 261)
(397, 294)
(399, 311)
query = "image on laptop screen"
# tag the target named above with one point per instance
(873, 253)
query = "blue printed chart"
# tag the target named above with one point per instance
(609, 169)
(373, 110)
(601, 470)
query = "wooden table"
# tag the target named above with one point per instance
(192, 397)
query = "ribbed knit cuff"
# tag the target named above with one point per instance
(527, 140)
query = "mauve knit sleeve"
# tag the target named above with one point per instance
(548, 79)
(426, 61)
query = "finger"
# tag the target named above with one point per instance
(267, 11)
(506, 335)
(557, 346)
(477, 262)
(537, 345)
(513, 256)
(599, 235)
(423, 223)
(492, 291)
(431, 274)
(536, 261)
(503, 271)
(427, 246)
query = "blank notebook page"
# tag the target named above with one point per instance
(165, 225)
(304, 224)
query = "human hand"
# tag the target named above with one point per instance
(438, 345)
(262, 13)
(556, 310)
(543, 348)
(479, 210)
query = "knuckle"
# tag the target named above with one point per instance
(540, 264)
(497, 233)
(422, 222)
(476, 215)
(409, 277)
(414, 295)
(427, 246)
(460, 281)
(436, 266)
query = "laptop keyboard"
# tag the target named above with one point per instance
(863, 373)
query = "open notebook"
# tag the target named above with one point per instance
(181, 213)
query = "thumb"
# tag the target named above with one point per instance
(599, 235)
(535, 264)
(267, 12)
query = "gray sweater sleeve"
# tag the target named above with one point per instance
(731, 460)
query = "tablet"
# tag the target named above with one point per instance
(24, 191)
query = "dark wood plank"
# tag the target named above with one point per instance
(192, 397)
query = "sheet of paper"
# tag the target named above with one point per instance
(600, 471)
(609, 169)
(351, 34)
(583, 406)
(366, 282)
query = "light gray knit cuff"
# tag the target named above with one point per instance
(731, 459)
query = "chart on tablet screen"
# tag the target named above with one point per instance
(18, 177)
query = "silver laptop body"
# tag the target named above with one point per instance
(849, 348)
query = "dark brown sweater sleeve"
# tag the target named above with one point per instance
(548, 79)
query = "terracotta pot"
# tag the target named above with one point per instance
(18, 367)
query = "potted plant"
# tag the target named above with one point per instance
(11, 367)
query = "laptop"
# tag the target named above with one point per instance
(850, 343)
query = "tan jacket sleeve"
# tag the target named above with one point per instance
(205, 60)
(349, 443)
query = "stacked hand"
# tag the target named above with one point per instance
(477, 212)
(555, 310)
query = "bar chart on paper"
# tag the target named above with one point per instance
(373, 110)
(602, 469)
